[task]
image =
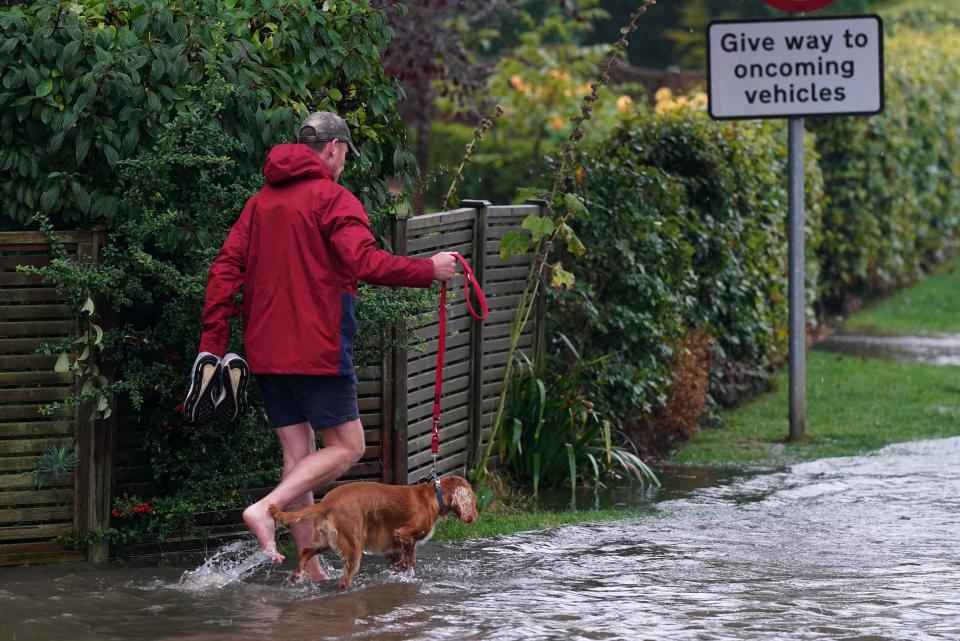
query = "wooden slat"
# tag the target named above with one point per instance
(39, 240)
(9, 363)
(439, 219)
(35, 428)
(30, 514)
(25, 346)
(19, 412)
(23, 532)
(37, 445)
(36, 497)
(18, 463)
(10, 262)
(37, 394)
(30, 295)
(36, 378)
(36, 328)
(60, 555)
(35, 311)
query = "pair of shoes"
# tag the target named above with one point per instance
(218, 389)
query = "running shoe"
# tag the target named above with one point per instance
(235, 376)
(199, 405)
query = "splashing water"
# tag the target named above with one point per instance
(233, 563)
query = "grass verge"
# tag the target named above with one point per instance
(929, 307)
(854, 405)
(492, 524)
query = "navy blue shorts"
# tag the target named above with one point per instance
(324, 401)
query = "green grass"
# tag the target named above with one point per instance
(489, 524)
(854, 406)
(929, 307)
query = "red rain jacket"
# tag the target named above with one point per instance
(297, 250)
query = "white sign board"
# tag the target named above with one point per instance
(783, 68)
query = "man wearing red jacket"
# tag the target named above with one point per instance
(297, 250)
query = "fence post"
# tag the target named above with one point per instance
(95, 444)
(540, 311)
(475, 403)
(398, 372)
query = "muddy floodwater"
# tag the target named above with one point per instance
(849, 548)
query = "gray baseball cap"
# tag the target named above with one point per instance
(322, 126)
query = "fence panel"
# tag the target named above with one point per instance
(32, 313)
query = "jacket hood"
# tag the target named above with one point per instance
(294, 162)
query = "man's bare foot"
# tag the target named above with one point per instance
(258, 520)
(315, 570)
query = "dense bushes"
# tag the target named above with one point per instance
(153, 121)
(86, 85)
(893, 180)
(685, 230)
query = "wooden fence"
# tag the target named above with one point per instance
(395, 399)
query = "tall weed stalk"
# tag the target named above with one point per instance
(545, 230)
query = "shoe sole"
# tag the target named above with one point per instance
(199, 405)
(235, 380)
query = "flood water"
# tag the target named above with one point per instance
(943, 349)
(849, 548)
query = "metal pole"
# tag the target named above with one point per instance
(798, 357)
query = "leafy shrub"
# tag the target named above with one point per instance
(84, 86)
(558, 436)
(892, 183)
(685, 228)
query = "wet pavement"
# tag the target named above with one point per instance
(859, 548)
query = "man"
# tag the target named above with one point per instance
(298, 249)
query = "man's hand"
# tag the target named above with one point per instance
(444, 264)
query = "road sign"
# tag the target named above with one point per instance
(795, 67)
(798, 5)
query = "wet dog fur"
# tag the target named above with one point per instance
(383, 519)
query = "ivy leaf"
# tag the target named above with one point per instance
(538, 226)
(513, 243)
(560, 278)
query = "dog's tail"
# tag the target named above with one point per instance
(291, 517)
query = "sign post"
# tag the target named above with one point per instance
(792, 69)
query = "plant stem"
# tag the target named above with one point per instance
(545, 244)
(485, 124)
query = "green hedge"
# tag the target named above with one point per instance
(153, 120)
(85, 85)
(893, 180)
(686, 229)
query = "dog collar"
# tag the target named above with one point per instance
(436, 487)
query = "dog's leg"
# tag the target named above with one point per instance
(393, 559)
(351, 555)
(408, 549)
(305, 555)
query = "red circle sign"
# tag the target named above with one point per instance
(798, 5)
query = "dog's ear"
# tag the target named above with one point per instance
(462, 499)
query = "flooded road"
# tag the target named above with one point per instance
(858, 548)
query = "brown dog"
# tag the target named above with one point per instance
(378, 518)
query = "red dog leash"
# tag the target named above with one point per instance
(470, 284)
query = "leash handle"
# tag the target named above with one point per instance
(470, 284)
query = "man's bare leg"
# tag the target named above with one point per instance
(343, 446)
(298, 441)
